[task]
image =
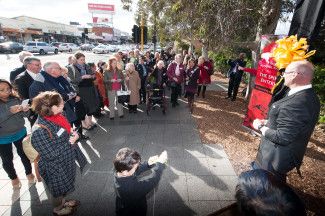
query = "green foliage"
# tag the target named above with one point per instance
(319, 86)
(220, 58)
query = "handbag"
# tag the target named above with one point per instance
(123, 96)
(28, 148)
(31, 153)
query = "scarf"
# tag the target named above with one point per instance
(82, 69)
(60, 120)
(60, 84)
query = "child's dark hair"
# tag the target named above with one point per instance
(125, 159)
(13, 93)
(259, 193)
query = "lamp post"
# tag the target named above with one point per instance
(141, 32)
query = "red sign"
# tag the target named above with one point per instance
(101, 8)
(100, 20)
(258, 106)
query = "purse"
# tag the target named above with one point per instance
(28, 148)
(31, 153)
(123, 96)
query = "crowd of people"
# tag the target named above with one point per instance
(64, 99)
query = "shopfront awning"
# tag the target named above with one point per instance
(28, 31)
(12, 30)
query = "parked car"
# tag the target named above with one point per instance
(11, 47)
(87, 47)
(113, 48)
(101, 49)
(69, 47)
(56, 44)
(40, 47)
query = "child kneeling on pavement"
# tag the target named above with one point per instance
(131, 190)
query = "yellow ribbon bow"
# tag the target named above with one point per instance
(290, 49)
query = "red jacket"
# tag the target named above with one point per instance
(204, 75)
(171, 72)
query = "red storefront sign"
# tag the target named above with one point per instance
(101, 8)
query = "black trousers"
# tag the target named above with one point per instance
(176, 90)
(133, 107)
(143, 90)
(234, 82)
(7, 157)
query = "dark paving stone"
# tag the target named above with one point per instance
(201, 188)
(203, 208)
(172, 188)
(194, 150)
(221, 167)
(170, 207)
(89, 187)
(197, 166)
(190, 137)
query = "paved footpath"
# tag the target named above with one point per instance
(199, 178)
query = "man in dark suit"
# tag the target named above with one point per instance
(24, 80)
(15, 72)
(143, 71)
(235, 76)
(290, 123)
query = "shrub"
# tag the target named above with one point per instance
(319, 86)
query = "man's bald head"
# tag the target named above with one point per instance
(299, 73)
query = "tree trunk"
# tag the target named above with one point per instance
(267, 24)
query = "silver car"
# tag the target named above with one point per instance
(40, 47)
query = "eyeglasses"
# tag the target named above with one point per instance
(289, 72)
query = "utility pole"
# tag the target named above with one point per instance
(142, 32)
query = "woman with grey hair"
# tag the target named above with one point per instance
(133, 83)
(175, 73)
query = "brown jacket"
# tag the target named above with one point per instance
(134, 84)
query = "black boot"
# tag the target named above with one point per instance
(203, 92)
(198, 90)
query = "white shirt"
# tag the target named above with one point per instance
(177, 72)
(298, 89)
(33, 75)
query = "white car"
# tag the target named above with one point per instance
(40, 47)
(101, 49)
(112, 48)
(68, 47)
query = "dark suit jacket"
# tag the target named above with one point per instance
(15, 72)
(22, 84)
(139, 68)
(291, 121)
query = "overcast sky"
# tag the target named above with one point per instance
(64, 11)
